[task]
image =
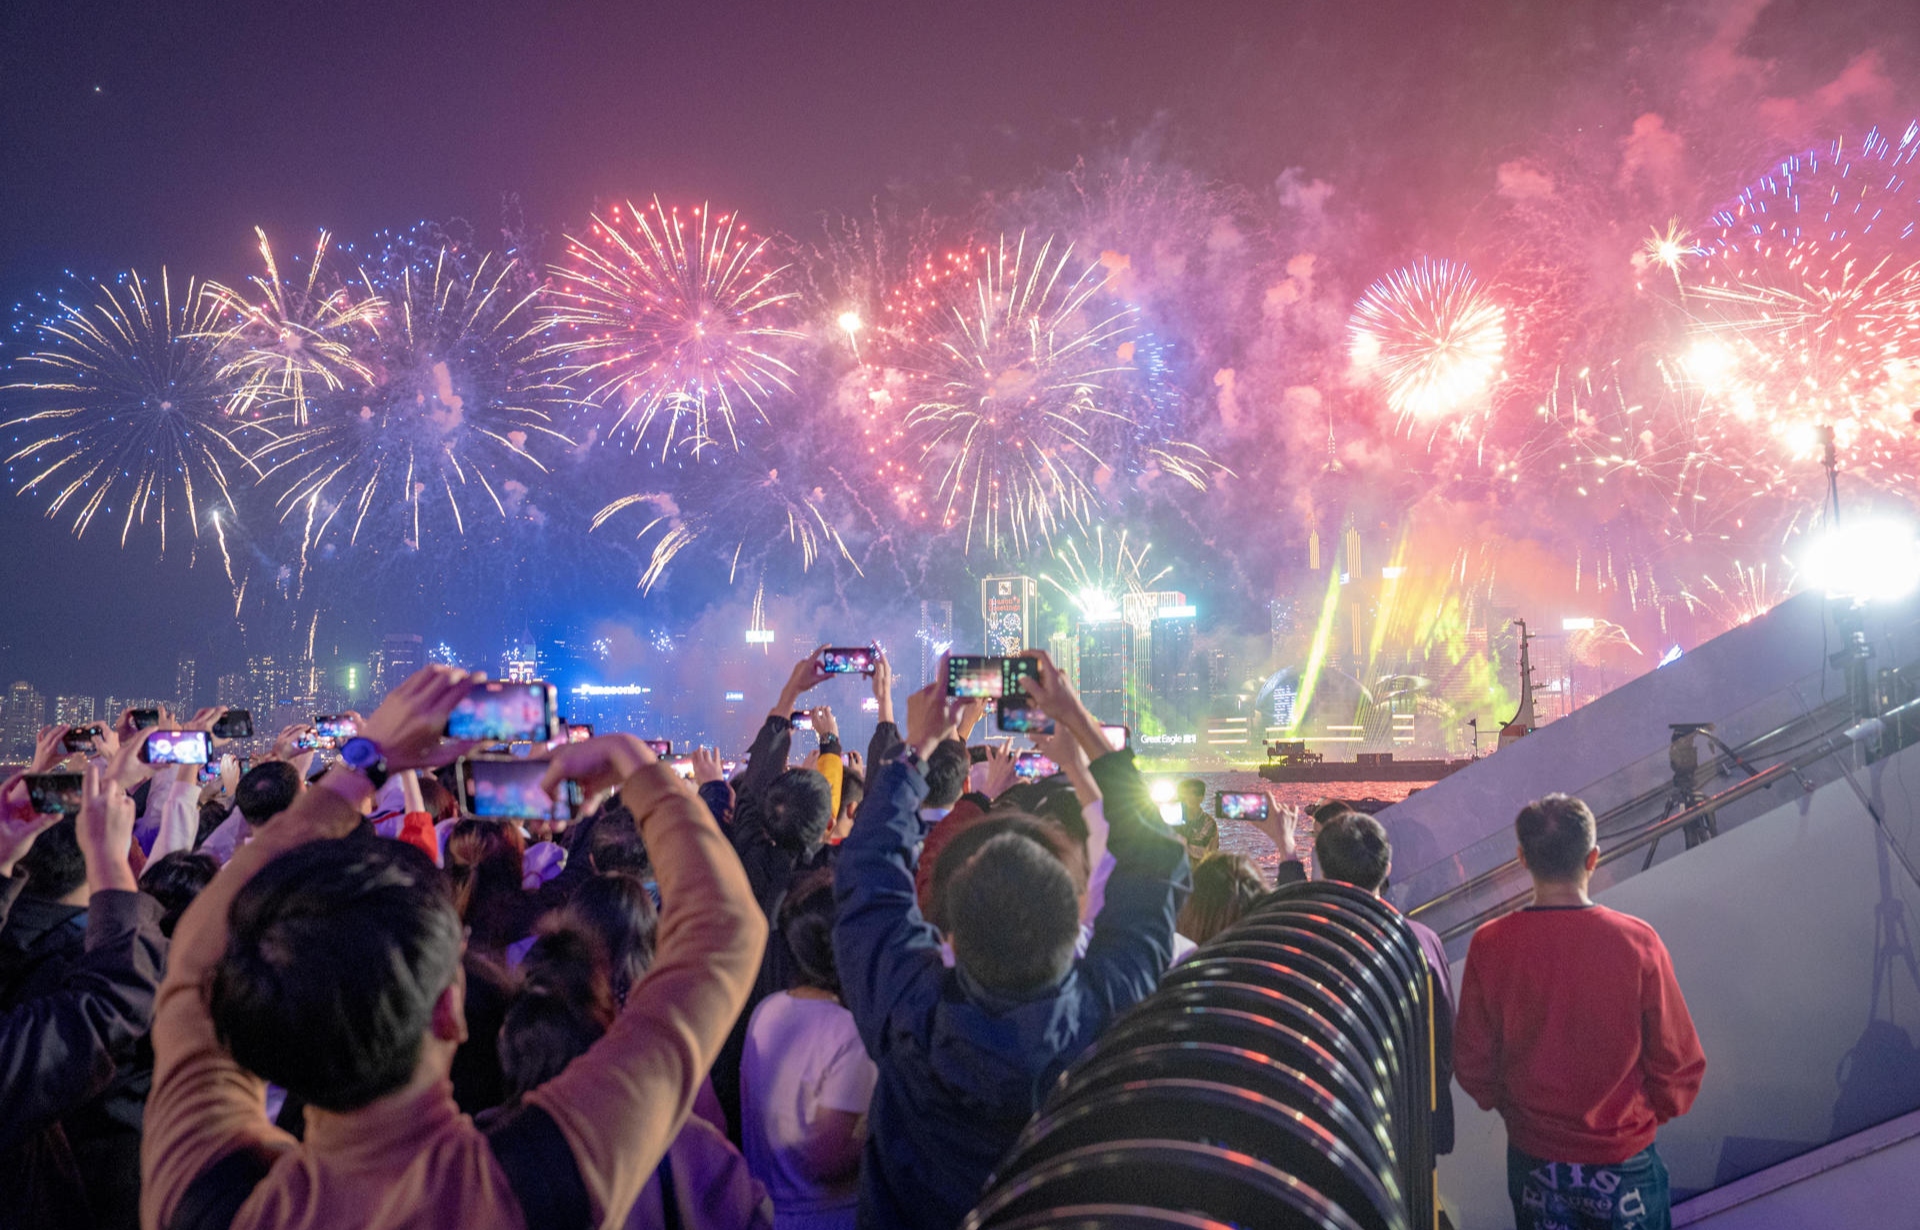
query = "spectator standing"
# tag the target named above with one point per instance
(1198, 828)
(1573, 1028)
(966, 1054)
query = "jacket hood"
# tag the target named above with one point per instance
(1002, 1058)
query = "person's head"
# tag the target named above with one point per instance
(1557, 843)
(853, 788)
(54, 865)
(616, 911)
(1192, 792)
(435, 799)
(1015, 915)
(174, 880)
(483, 858)
(266, 791)
(341, 976)
(968, 842)
(947, 773)
(799, 807)
(1224, 885)
(614, 846)
(806, 921)
(1352, 847)
(563, 1006)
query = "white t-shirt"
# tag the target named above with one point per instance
(803, 1056)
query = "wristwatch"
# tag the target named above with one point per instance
(365, 757)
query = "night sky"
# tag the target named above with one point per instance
(142, 134)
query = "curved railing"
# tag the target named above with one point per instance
(1282, 1076)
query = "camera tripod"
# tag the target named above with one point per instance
(1683, 754)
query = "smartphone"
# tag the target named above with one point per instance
(1250, 805)
(144, 718)
(234, 724)
(177, 747)
(332, 729)
(977, 754)
(80, 739)
(54, 794)
(663, 748)
(578, 734)
(502, 711)
(1117, 737)
(849, 661)
(509, 789)
(246, 765)
(973, 676)
(683, 765)
(1032, 766)
(307, 741)
(1017, 713)
(209, 773)
(801, 721)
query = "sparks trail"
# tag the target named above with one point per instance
(121, 410)
(678, 331)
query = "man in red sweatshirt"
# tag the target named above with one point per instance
(1572, 1026)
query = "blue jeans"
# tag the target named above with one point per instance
(1630, 1195)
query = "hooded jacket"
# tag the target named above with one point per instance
(961, 1068)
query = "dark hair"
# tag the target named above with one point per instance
(947, 771)
(1326, 810)
(1224, 885)
(853, 788)
(614, 845)
(54, 864)
(266, 791)
(798, 808)
(336, 952)
(174, 880)
(1016, 916)
(563, 1006)
(617, 912)
(968, 841)
(484, 859)
(806, 920)
(435, 799)
(1352, 848)
(1191, 785)
(1556, 832)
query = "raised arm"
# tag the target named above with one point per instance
(621, 1104)
(882, 945)
(204, 1106)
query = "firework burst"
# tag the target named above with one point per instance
(677, 327)
(1806, 308)
(122, 411)
(751, 510)
(295, 340)
(1096, 572)
(1433, 336)
(1010, 367)
(453, 417)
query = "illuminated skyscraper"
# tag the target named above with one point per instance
(1106, 669)
(73, 710)
(401, 654)
(1006, 607)
(186, 696)
(22, 713)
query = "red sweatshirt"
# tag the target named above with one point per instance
(1572, 1027)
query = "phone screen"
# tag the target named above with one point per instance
(801, 721)
(1016, 711)
(579, 734)
(1117, 737)
(54, 794)
(973, 676)
(683, 765)
(510, 790)
(234, 724)
(501, 711)
(847, 661)
(662, 748)
(332, 729)
(1032, 766)
(1252, 805)
(177, 747)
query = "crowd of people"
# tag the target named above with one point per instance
(813, 994)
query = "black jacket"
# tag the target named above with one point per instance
(79, 995)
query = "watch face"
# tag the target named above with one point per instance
(359, 753)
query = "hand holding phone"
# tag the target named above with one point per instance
(1253, 806)
(83, 740)
(1018, 713)
(194, 747)
(54, 794)
(973, 676)
(1032, 766)
(502, 711)
(511, 789)
(233, 724)
(849, 661)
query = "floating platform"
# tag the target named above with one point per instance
(1382, 770)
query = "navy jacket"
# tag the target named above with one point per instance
(962, 1071)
